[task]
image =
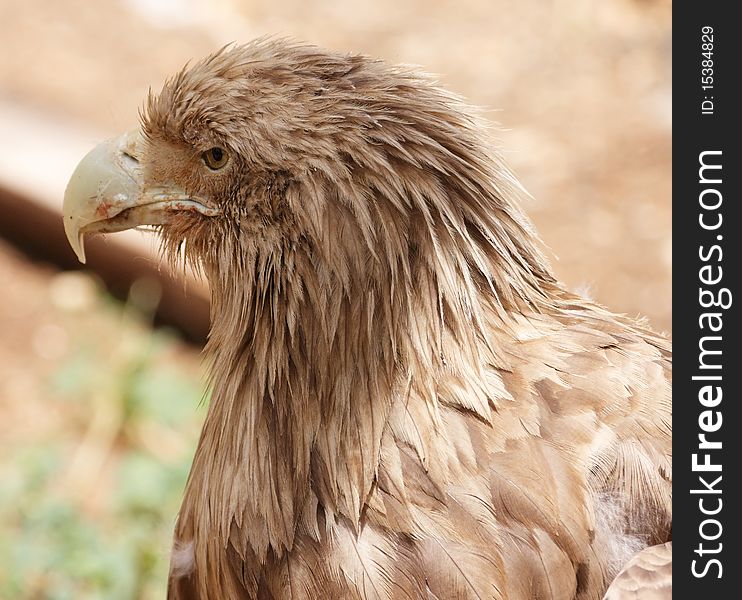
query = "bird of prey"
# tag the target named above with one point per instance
(405, 402)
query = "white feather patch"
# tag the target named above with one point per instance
(182, 561)
(610, 519)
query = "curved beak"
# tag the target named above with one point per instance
(106, 193)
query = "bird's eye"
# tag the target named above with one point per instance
(215, 158)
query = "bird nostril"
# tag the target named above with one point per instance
(130, 157)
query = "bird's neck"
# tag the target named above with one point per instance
(301, 393)
(306, 363)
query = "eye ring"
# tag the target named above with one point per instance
(215, 158)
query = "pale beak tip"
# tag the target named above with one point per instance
(74, 238)
(79, 249)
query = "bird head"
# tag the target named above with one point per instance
(214, 157)
(278, 160)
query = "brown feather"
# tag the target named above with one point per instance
(406, 403)
(647, 576)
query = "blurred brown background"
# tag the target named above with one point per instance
(100, 410)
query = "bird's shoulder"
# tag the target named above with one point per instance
(537, 465)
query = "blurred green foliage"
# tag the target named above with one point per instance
(89, 512)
